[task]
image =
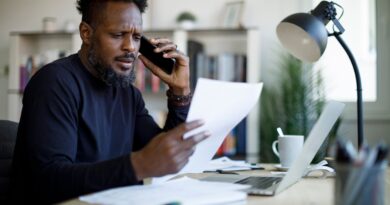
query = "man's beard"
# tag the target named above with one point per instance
(107, 74)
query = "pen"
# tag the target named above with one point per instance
(382, 153)
(343, 152)
(220, 171)
(255, 166)
(173, 203)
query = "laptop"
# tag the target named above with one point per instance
(272, 185)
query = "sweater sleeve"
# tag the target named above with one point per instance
(49, 131)
(176, 115)
(146, 128)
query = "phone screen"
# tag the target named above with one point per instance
(147, 50)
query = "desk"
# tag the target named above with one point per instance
(308, 191)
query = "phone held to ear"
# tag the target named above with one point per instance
(147, 50)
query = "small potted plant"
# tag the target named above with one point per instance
(186, 20)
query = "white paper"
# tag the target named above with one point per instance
(226, 164)
(184, 191)
(222, 105)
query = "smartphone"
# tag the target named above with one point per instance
(147, 50)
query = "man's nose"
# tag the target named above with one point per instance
(128, 44)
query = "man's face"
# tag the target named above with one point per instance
(115, 43)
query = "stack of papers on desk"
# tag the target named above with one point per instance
(226, 164)
(185, 191)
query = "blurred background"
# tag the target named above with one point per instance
(227, 40)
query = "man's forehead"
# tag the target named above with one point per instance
(126, 13)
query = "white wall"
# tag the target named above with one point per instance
(26, 15)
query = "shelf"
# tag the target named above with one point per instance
(213, 29)
(40, 33)
(15, 91)
(30, 43)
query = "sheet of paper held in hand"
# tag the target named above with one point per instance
(222, 105)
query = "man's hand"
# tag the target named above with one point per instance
(178, 81)
(168, 152)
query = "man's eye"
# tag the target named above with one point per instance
(137, 37)
(117, 35)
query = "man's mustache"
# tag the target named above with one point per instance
(126, 57)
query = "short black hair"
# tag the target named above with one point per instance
(88, 8)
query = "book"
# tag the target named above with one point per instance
(235, 141)
(226, 67)
(155, 83)
(140, 75)
(194, 48)
(26, 72)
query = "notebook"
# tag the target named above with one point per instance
(271, 185)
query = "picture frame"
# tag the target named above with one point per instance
(233, 14)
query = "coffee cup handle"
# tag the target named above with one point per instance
(274, 148)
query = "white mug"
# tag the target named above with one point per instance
(289, 147)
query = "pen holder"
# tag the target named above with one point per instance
(358, 185)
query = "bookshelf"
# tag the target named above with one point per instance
(39, 47)
(245, 42)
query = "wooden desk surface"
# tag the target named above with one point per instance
(308, 191)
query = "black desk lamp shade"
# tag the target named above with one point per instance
(305, 36)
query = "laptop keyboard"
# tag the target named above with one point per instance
(260, 182)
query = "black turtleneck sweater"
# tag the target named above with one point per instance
(76, 134)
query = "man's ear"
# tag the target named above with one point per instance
(86, 32)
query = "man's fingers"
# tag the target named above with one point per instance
(185, 148)
(182, 164)
(199, 137)
(156, 41)
(190, 142)
(188, 126)
(166, 48)
(176, 54)
(183, 155)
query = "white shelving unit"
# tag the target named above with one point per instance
(24, 44)
(239, 41)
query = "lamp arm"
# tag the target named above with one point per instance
(360, 124)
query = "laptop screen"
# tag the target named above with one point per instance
(319, 132)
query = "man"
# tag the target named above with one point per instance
(84, 127)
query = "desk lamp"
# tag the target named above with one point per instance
(305, 36)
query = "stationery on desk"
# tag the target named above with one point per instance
(225, 165)
(360, 174)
